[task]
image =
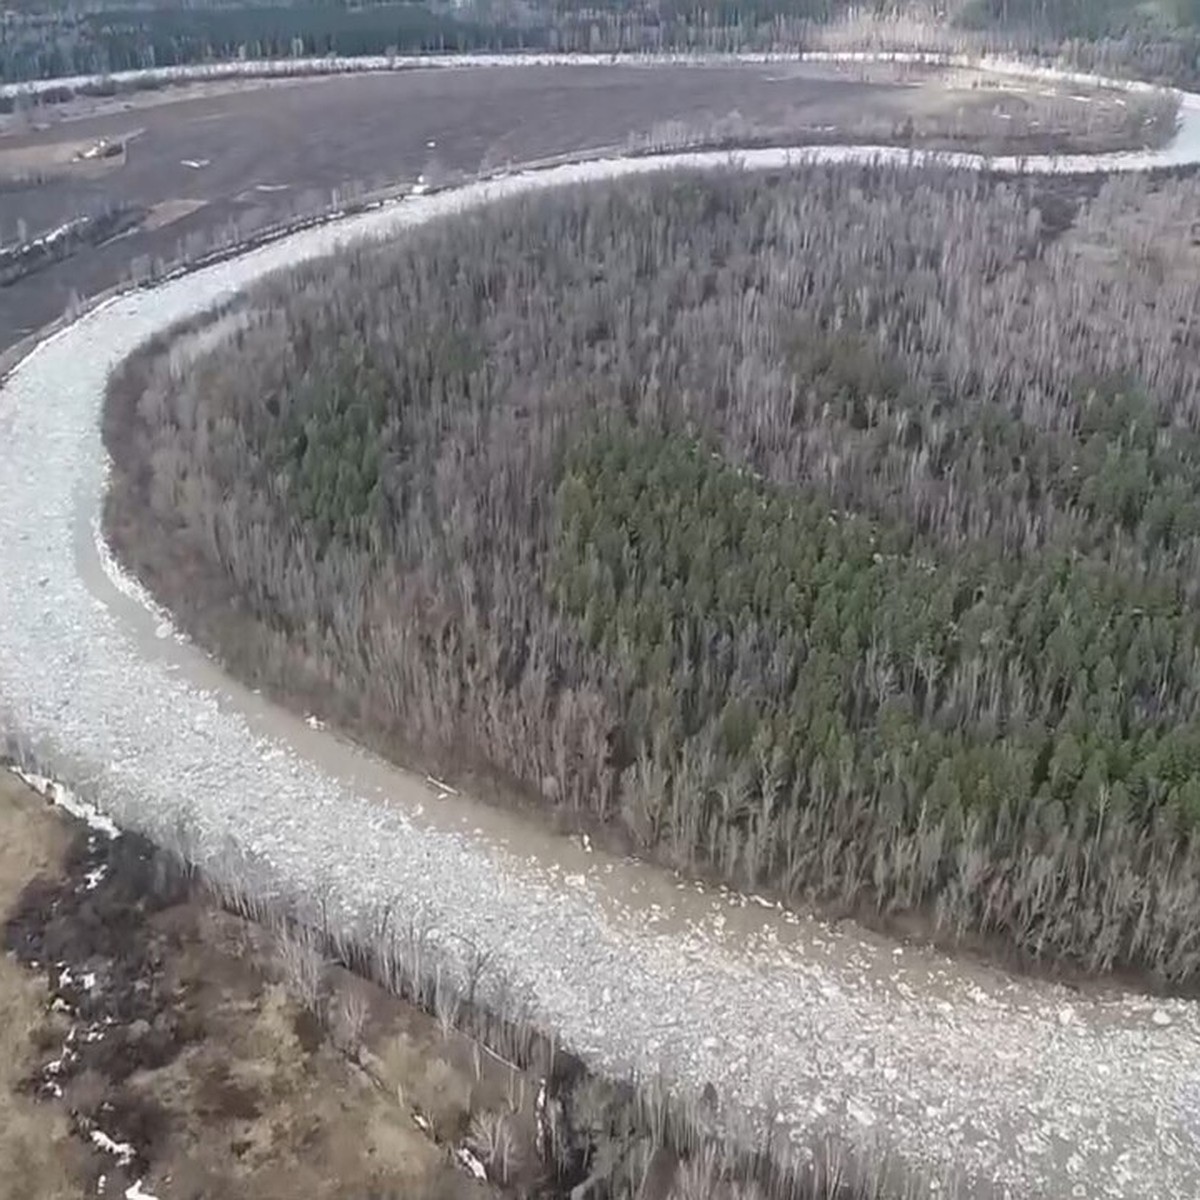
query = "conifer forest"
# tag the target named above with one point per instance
(44, 39)
(834, 532)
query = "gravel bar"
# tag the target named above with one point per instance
(992, 1085)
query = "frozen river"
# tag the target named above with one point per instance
(1007, 1086)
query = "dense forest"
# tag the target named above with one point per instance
(834, 531)
(41, 39)
(89, 42)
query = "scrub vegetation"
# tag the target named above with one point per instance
(834, 532)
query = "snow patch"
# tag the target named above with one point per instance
(470, 1163)
(122, 1151)
(68, 801)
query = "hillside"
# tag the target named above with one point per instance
(834, 532)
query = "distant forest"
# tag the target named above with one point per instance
(837, 532)
(41, 39)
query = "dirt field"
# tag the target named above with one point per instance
(147, 1036)
(255, 153)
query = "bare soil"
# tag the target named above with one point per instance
(146, 1035)
(256, 154)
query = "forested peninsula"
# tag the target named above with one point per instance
(831, 531)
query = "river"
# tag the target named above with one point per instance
(997, 1085)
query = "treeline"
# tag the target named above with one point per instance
(1152, 41)
(117, 39)
(1092, 19)
(836, 532)
(98, 40)
(46, 41)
